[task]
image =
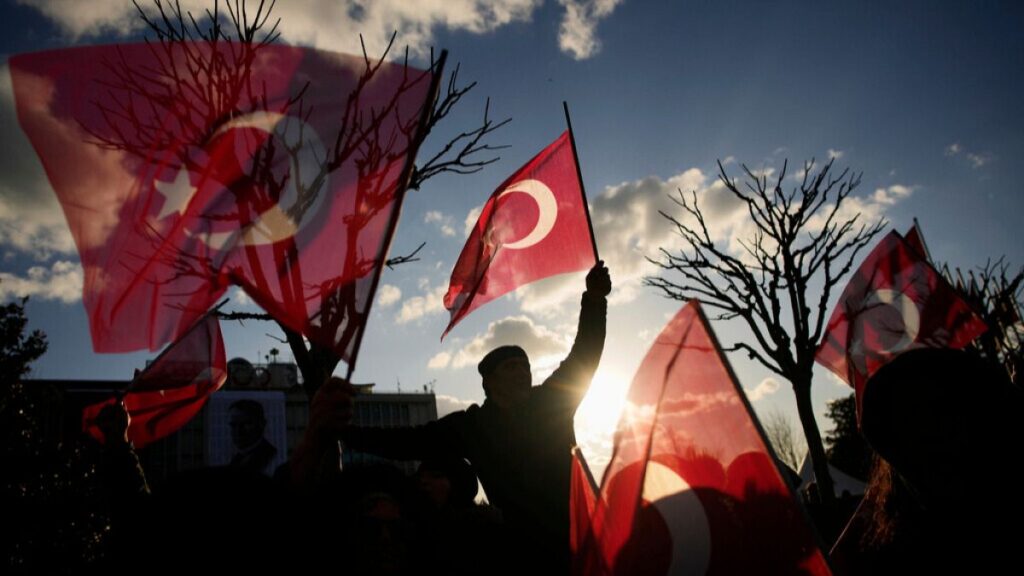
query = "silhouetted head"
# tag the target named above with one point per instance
(938, 415)
(506, 376)
(447, 482)
(247, 422)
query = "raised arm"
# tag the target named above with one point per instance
(573, 376)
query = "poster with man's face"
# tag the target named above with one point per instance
(247, 430)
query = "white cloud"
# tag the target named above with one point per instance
(448, 404)
(101, 17)
(440, 361)
(767, 387)
(240, 297)
(61, 281)
(31, 220)
(835, 154)
(443, 221)
(430, 303)
(628, 228)
(388, 295)
(577, 35)
(834, 378)
(326, 24)
(867, 210)
(892, 194)
(95, 182)
(976, 159)
(471, 219)
(538, 341)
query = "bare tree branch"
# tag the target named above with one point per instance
(801, 241)
(411, 257)
(201, 79)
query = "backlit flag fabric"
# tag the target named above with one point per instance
(183, 168)
(533, 226)
(915, 239)
(692, 487)
(894, 302)
(582, 502)
(173, 389)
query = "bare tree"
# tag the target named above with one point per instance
(203, 80)
(788, 445)
(780, 285)
(996, 294)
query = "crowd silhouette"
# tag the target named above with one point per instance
(943, 424)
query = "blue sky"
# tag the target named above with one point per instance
(922, 97)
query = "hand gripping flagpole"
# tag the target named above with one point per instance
(579, 176)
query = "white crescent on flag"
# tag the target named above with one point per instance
(307, 152)
(908, 311)
(547, 211)
(683, 513)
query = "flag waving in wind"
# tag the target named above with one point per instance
(171, 390)
(185, 167)
(533, 226)
(692, 486)
(895, 302)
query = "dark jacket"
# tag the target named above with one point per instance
(521, 455)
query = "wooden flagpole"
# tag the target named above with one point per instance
(579, 175)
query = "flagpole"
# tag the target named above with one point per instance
(403, 184)
(579, 176)
(586, 470)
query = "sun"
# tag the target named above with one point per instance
(598, 414)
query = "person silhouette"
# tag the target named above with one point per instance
(937, 420)
(518, 441)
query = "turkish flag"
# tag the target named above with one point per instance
(183, 168)
(692, 487)
(896, 301)
(533, 226)
(582, 502)
(915, 239)
(171, 390)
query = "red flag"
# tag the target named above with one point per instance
(185, 167)
(171, 390)
(893, 303)
(915, 239)
(533, 226)
(582, 502)
(692, 487)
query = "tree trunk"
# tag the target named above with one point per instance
(815, 446)
(315, 362)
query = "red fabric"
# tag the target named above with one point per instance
(508, 247)
(582, 502)
(915, 240)
(172, 389)
(692, 487)
(894, 302)
(185, 168)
